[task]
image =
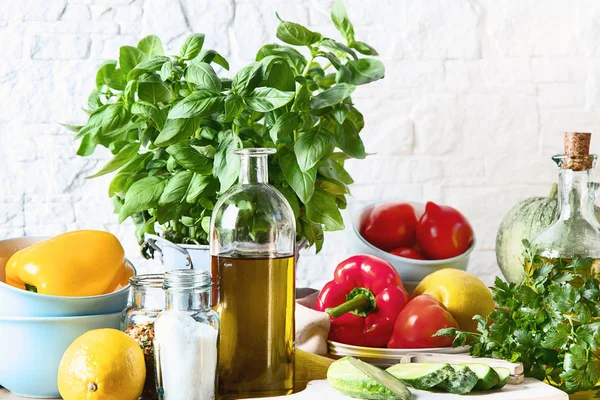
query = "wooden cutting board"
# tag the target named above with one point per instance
(530, 389)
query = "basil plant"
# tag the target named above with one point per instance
(173, 123)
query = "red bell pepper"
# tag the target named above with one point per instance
(363, 299)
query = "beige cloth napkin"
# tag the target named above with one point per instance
(312, 327)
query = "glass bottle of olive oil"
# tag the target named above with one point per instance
(576, 232)
(253, 241)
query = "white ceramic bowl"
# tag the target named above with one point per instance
(21, 303)
(410, 270)
(31, 350)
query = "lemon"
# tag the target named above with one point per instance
(463, 294)
(102, 364)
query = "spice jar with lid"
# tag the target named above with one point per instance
(186, 338)
(137, 321)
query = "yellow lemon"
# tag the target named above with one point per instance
(103, 364)
(463, 294)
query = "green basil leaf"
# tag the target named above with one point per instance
(73, 128)
(310, 148)
(154, 92)
(166, 70)
(332, 186)
(94, 100)
(365, 70)
(116, 80)
(334, 170)
(227, 163)
(105, 71)
(348, 139)
(197, 186)
(280, 76)
(322, 209)
(340, 19)
(211, 56)
(335, 45)
(343, 75)
(93, 124)
(364, 48)
(87, 146)
(188, 157)
(296, 35)
(176, 130)
(192, 46)
(114, 116)
(176, 188)
(129, 57)
(247, 79)
(234, 105)
(340, 112)
(332, 96)
(291, 197)
(203, 76)
(123, 157)
(141, 196)
(292, 56)
(265, 99)
(199, 103)
(283, 129)
(303, 183)
(129, 92)
(151, 45)
(150, 65)
(207, 151)
(138, 163)
(122, 182)
(302, 100)
(149, 111)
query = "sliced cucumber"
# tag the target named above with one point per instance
(462, 380)
(503, 375)
(487, 377)
(421, 375)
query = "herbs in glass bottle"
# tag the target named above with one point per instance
(576, 232)
(253, 242)
(137, 321)
(186, 337)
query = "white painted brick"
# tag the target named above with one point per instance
(11, 215)
(434, 123)
(428, 35)
(586, 26)
(561, 95)
(12, 41)
(71, 27)
(33, 10)
(553, 70)
(48, 213)
(249, 31)
(165, 19)
(555, 122)
(63, 47)
(76, 12)
(129, 13)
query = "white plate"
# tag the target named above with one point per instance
(383, 356)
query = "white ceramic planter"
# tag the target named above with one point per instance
(180, 256)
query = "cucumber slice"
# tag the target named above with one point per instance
(487, 377)
(462, 381)
(503, 375)
(421, 375)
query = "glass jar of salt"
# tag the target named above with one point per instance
(186, 337)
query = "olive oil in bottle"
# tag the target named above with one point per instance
(256, 309)
(253, 248)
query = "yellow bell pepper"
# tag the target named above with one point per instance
(77, 263)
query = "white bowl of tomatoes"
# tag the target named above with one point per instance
(417, 239)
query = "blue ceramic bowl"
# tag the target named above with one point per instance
(31, 350)
(16, 302)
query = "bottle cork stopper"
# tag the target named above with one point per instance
(577, 147)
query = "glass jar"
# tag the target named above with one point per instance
(137, 321)
(576, 232)
(186, 337)
(253, 236)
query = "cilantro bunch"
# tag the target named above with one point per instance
(550, 322)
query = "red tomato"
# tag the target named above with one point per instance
(418, 321)
(391, 225)
(443, 232)
(408, 252)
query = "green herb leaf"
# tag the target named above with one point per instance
(302, 182)
(151, 45)
(123, 157)
(340, 19)
(247, 79)
(188, 157)
(197, 186)
(176, 130)
(364, 48)
(150, 65)
(116, 80)
(265, 99)
(105, 71)
(348, 140)
(142, 195)
(332, 169)
(154, 92)
(203, 76)
(176, 189)
(296, 35)
(192, 46)
(234, 105)
(332, 96)
(322, 209)
(199, 103)
(227, 163)
(365, 70)
(115, 116)
(149, 111)
(129, 57)
(311, 147)
(282, 130)
(211, 56)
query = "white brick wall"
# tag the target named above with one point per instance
(475, 99)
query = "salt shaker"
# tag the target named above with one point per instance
(186, 338)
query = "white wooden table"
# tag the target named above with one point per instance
(530, 389)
